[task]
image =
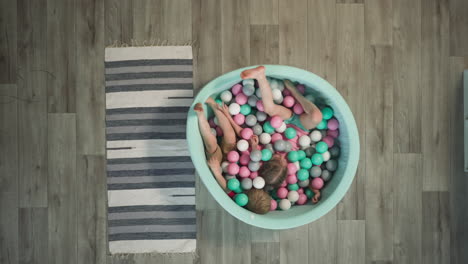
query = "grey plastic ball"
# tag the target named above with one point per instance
(228, 177)
(280, 145)
(269, 147)
(326, 175)
(248, 89)
(256, 155)
(310, 151)
(332, 165)
(254, 166)
(261, 116)
(334, 152)
(257, 129)
(252, 101)
(246, 184)
(288, 146)
(315, 171)
(323, 132)
(250, 120)
(303, 183)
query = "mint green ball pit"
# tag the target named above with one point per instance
(333, 192)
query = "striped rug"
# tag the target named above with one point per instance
(150, 177)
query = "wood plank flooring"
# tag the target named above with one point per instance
(398, 63)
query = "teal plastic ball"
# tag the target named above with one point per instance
(266, 154)
(238, 190)
(309, 193)
(293, 187)
(327, 113)
(306, 164)
(246, 109)
(290, 133)
(317, 159)
(322, 124)
(219, 101)
(321, 147)
(302, 174)
(241, 199)
(293, 156)
(267, 128)
(233, 184)
(301, 154)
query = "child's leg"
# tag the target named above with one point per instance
(267, 98)
(229, 135)
(208, 139)
(312, 114)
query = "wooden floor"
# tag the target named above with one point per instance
(398, 64)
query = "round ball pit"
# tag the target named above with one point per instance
(335, 189)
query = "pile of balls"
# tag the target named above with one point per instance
(309, 168)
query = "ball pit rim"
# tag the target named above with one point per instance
(262, 221)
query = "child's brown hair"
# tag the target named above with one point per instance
(259, 201)
(274, 171)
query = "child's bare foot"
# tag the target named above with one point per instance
(254, 73)
(211, 102)
(198, 108)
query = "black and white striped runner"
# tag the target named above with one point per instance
(150, 176)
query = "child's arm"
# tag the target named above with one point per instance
(225, 110)
(215, 167)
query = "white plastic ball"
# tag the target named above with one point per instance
(258, 182)
(265, 138)
(304, 141)
(213, 131)
(310, 98)
(252, 101)
(251, 120)
(282, 128)
(326, 156)
(248, 81)
(261, 116)
(293, 196)
(274, 84)
(258, 93)
(228, 177)
(303, 183)
(279, 101)
(234, 109)
(246, 184)
(242, 145)
(284, 204)
(226, 96)
(315, 136)
(248, 89)
(298, 165)
(224, 166)
(215, 120)
(277, 95)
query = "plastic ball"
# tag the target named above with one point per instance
(254, 166)
(257, 129)
(334, 152)
(269, 147)
(301, 155)
(322, 124)
(252, 101)
(310, 98)
(288, 146)
(303, 183)
(264, 138)
(258, 93)
(326, 156)
(276, 121)
(248, 89)
(241, 98)
(315, 136)
(231, 194)
(261, 116)
(297, 109)
(226, 96)
(293, 196)
(279, 145)
(275, 137)
(304, 141)
(233, 156)
(215, 120)
(286, 92)
(256, 155)
(248, 82)
(242, 145)
(266, 154)
(331, 165)
(245, 109)
(293, 156)
(258, 183)
(291, 179)
(233, 184)
(309, 193)
(326, 175)
(282, 192)
(213, 131)
(250, 120)
(284, 184)
(233, 169)
(267, 128)
(306, 164)
(246, 184)
(224, 166)
(236, 89)
(219, 132)
(292, 169)
(244, 172)
(329, 141)
(282, 128)
(277, 95)
(302, 174)
(246, 133)
(239, 119)
(212, 122)
(219, 101)
(228, 177)
(241, 199)
(309, 151)
(280, 85)
(244, 159)
(253, 175)
(273, 205)
(302, 199)
(234, 109)
(333, 124)
(293, 187)
(288, 101)
(317, 183)
(333, 133)
(327, 113)
(290, 133)
(297, 164)
(315, 171)
(321, 147)
(273, 84)
(260, 106)
(317, 159)
(284, 204)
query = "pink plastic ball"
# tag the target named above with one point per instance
(298, 109)
(233, 156)
(244, 172)
(288, 101)
(239, 119)
(292, 168)
(253, 175)
(241, 99)
(333, 133)
(260, 106)
(317, 183)
(282, 192)
(276, 121)
(300, 88)
(233, 169)
(244, 159)
(329, 140)
(236, 89)
(333, 124)
(273, 205)
(291, 179)
(246, 133)
(286, 92)
(211, 122)
(284, 184)
(275, 137)
(302, 199)
(219, 131)
(300, 191)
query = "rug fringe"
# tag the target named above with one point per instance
(148, 43)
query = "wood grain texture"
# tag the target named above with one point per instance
(407, 222)
(91, 202)
(293, 33)
(32, 232)
(62, 195)
(349, 1)
(236, 240)
(61, 61)
(264, 46)
(8, 38)
(350, 69)
(435, 98)
(351, 246)
(209, 237)
(321, 34)
(9, 227)
(323, 239)
(378, 17)
(294, 245)
(147, 23)
(379, 149)
(263, 12)
(177, 22)
(118, 21)
(458, 28)
(435, 227)
(235, 34)
(265, 253)
(32, 108)
(8, 138)
(407, 87)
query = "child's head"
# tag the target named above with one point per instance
(274, 171)
(259, 201)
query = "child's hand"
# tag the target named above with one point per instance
(225, 109)
(215, 164)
